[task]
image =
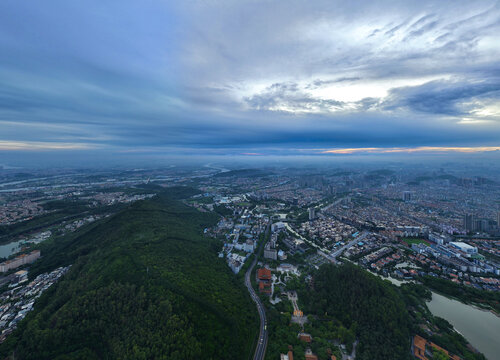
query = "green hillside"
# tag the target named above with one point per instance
(367, 304)
(145, 284)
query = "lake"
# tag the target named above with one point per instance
(481, 328)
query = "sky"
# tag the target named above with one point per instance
(118, 79)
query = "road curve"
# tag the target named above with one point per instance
(260, 350)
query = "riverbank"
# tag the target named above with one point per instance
(485, 300)
(479, 327)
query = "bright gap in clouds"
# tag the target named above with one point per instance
(420, 149)
(42, 145)
(352, 91)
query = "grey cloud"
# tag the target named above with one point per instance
(394, 29)
(422, 30)
(419, 23)
(443, 97)
(125, 75)
(320, 83)
(290, 98)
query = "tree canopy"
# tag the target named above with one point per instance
(145, 284)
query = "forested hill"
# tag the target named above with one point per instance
(145, 284)
(367, 304)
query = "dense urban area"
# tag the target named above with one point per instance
(343, 262)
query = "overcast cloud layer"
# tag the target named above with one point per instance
(249, 77)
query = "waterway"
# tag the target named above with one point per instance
(10, 248)
(481, 328)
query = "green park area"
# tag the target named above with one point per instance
(411, 241)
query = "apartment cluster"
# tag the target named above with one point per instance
(18, 210)
(376, 255)
(385, 261)
(74, 225)
(240, 232)
(459, 255)
(271, 250)
(18, 301)
(20, 260)
(110, 198)
(327, 230)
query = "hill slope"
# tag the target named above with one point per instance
(144, 285)
(366, 303)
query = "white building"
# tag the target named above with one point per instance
(466, 248)
(312, 213)
(278, 226)
(249, 246)
(439, 239)
(287, 268)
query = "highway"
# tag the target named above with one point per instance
(260, 350)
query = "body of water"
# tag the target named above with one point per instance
(10, 248)
(481, 328)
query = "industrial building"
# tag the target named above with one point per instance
(466, 248)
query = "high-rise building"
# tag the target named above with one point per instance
(498, 219)
(312, 213)
(480, 225)
(407, 196)
(468, 222)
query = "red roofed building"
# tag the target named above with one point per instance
(265, 288)
(264, 274)
(423, 348)
(264, 279)
(305, 337)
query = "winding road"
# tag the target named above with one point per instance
(260, 350)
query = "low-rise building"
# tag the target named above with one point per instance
(466, 248)
(423, 349)
(270, 253)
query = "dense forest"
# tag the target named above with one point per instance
(346, 303)
(371, 307)
(144, 284)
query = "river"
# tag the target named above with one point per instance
(481, 328)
